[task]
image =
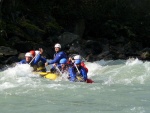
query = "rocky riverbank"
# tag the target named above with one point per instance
(98, 29)
(91, 50)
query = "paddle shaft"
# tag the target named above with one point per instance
(79, 72)
(77, 68)
(33, 58)
(58, 70)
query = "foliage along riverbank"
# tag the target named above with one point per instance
(95, 29)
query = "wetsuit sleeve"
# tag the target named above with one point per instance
(36, 60)
(43, 60)
(83, 73)
(72, 74)
(57, 58)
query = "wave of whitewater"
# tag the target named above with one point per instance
(120, 71)
(120, 86)
(131, 71)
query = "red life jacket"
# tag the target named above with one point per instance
(83, 65)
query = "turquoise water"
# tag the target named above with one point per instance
(121, 86)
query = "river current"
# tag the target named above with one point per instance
(120, 86)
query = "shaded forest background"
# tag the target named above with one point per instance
(42, 21)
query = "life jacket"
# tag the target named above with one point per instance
(83, 65)
(82, 76)
(57, 57)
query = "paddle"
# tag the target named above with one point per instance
(63, 76)
(34, 58)
(80, 78)
(77, 68)
(58, 70)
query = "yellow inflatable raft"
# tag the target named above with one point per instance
(48, 75)
(54, 76)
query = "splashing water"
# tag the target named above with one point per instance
(16, 76)
(120, 86)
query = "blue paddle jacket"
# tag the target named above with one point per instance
(72, 72)
(57, 57)
(35, 61)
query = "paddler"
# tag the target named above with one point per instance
(78, 72)
(28, 58)
(41, 60)
(33, 60)
(57, 56)
(62, 67)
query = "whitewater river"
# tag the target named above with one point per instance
(121, 86)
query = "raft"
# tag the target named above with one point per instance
(54, 76)
(48, 75)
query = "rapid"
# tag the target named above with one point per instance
(120, 86)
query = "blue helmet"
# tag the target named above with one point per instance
(63, 61)
(78, 61)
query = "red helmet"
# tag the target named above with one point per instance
(32, 52)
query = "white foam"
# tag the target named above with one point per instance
(120, 72)
(133, 61)
(6, 85)
(93, 68)
(20, 75)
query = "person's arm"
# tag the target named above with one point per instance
(72, 74)
(83, 73)
(55, 60)
(36, 60)
(43, 60)
(59, 56)
(38, 57)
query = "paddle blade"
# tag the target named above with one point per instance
(89, 81)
